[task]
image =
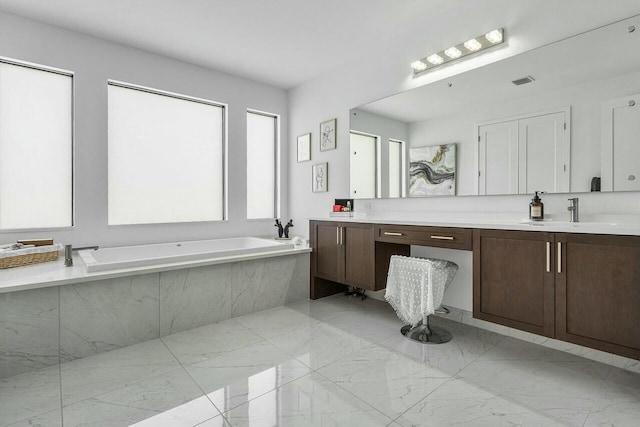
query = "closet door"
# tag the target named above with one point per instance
(621, 144)
(543, 153)
(498, 158)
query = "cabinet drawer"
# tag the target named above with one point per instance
(441, 237)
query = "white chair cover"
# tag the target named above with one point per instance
(415, 286)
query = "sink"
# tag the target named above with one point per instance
(568, 224)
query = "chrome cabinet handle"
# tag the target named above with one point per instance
(548, 257)
(337, 235)
(341, 236)
(442, 237)
(559, 257)
(391, 233)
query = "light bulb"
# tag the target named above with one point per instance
(494, 36)
(453, 52)
(418, 66)
(435, 59)
(473, 45)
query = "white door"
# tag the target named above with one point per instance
(362, 166)
(498, 158)
(543, 153)
(621, 144)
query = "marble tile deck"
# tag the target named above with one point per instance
(337, 361)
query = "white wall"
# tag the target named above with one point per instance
(94, 61)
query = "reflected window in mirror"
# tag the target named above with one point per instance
(397, 183)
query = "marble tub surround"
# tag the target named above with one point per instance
(29, 331)
(246, 372)
(40, 327)
(54, 273)
(108, 314)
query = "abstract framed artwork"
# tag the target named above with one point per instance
(328, 135)
(432, 170)
(319, 177)
(304, 147)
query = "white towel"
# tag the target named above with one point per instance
(415, 286)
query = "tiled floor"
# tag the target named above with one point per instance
(331, 362)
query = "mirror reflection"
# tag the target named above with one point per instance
(561, 118)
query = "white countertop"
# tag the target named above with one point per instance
(628, 225)
(54, 273)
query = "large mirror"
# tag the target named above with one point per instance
(561, 118)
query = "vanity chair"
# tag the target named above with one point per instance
(415, 289)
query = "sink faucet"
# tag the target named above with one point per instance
(573, 208)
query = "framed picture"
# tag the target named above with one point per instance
(304, 147)
(328, 135)
(319, 177)
(432, 170)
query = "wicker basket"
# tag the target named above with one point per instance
(26, 259)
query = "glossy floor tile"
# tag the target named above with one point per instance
(338, 361)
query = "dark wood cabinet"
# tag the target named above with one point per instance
(598, 292)
(343, 254)
(579, 288)
(513, 279)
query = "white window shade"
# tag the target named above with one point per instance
(36, 148)
(166, 158)
(261, 165)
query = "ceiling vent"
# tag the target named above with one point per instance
(523, 81)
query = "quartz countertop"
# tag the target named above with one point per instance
(596, 224)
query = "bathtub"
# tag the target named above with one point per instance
(144, 255)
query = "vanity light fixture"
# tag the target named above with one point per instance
(476, 44)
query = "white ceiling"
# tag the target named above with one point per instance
(286, 43)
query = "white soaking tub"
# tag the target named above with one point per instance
(145, 255)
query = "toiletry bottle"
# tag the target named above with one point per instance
(536, 208)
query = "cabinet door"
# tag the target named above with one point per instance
(359, 254)
(598, 292)
(513, 279)
(328, 256)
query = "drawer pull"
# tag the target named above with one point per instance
(392, 233)
(559, 257)
(442, 237)
(548, 257)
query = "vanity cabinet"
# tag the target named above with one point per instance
(343, 253)
(579, 288)
(598, 292)
(513, 279)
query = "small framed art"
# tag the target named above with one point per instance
(319, 177)
(328, 135)
(304, 147)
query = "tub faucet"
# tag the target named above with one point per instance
(573, 208)
(68, 257)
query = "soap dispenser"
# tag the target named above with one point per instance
(536, 208)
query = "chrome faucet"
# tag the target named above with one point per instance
(573, 208)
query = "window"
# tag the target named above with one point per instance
(262, 156)
(166, 157)
(36, 147)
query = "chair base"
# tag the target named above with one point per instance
(426, 334)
